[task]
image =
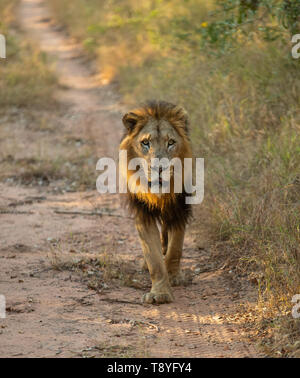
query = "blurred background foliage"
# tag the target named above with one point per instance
(229, 64)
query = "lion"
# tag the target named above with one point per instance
(159, 130)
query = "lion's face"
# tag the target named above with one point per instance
(157, 140)
(156, 134)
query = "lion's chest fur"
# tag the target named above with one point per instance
(168, 209)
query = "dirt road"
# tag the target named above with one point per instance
(61, 300)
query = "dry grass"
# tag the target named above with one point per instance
(25, 77)
(283, 339)
(37, 150)
(31, 150)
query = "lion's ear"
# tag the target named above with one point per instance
(130, 120)
(183, 117)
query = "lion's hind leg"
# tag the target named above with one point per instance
(173, 255)
(164, 238)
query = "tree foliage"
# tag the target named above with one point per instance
(271, 19)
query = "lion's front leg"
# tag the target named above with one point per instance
(151, 245)
(173, 256)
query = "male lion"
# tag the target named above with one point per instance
(158, 130)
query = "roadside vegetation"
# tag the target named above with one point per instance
(25, 77)
(34, 147)
(229, 64)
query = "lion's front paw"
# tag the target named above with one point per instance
(157, 298)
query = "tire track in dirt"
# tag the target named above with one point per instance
(195, 325)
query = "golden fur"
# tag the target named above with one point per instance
(158, 130)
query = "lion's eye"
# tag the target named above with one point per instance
(171, 142)
(145, 142)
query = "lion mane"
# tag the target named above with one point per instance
(170, 208)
